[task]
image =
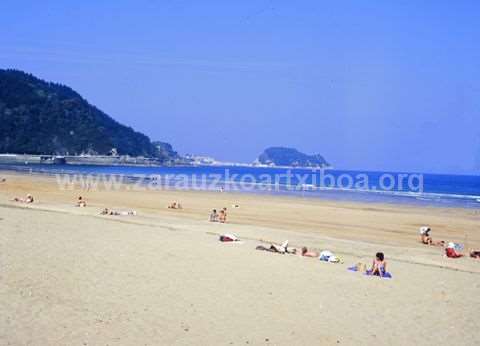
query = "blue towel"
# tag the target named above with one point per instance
(385, 275)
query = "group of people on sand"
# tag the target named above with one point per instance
(175, 205)
(218, 216)
(452, 250)
(81, 202)
(107, 211)
(28, 199)
(378, 267)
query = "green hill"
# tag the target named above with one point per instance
(39, 117)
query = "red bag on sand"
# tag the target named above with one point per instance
(452, 253)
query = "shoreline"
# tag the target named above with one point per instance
(330, 194)
(198, 204)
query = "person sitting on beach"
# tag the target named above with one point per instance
(28, 199)
(175, 205)
(426, 238)
(222, 218)
(214, 216)
(81, 202)
(3, 180)
(225, 213)
(379, 265)
(307, 253)
(475, 253)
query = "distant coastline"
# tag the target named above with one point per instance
(99, 160)
(125, 160)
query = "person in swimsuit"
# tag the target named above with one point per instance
(222, 218)
(106, 211)
(283, 248)
(307, 253)
(214, 216)
(173, 205)
(81, 202)
(28, 199)
(379, 265)
(426, 238)
(224, 214)
(475, 253)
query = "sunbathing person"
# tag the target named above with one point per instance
(276, 248)
(307, 253)
(475, 253)
(106, 211)
(81, 202)
(426, 238)
(451, 250)
(214, 216)
(379, 265)
(28, 199)
(175, 205)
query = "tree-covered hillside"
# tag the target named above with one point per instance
(39, 117)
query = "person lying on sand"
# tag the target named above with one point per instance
(28, 199)
(214, 216)
(276, 248)
(307, 253)
(81, 202)
(379, 265)
(106, 211)
(175, 205)
(451, 250)
(426, 238)
(228, 238)
(475, 253)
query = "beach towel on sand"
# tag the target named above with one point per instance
(386, 275)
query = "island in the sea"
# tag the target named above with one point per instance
(290, 157)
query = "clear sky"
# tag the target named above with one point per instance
(385, 85)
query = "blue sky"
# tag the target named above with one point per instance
(369, 84)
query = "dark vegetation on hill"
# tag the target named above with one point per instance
(39, 117)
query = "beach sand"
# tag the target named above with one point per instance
(69, 276)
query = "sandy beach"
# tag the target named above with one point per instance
(69, 276)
